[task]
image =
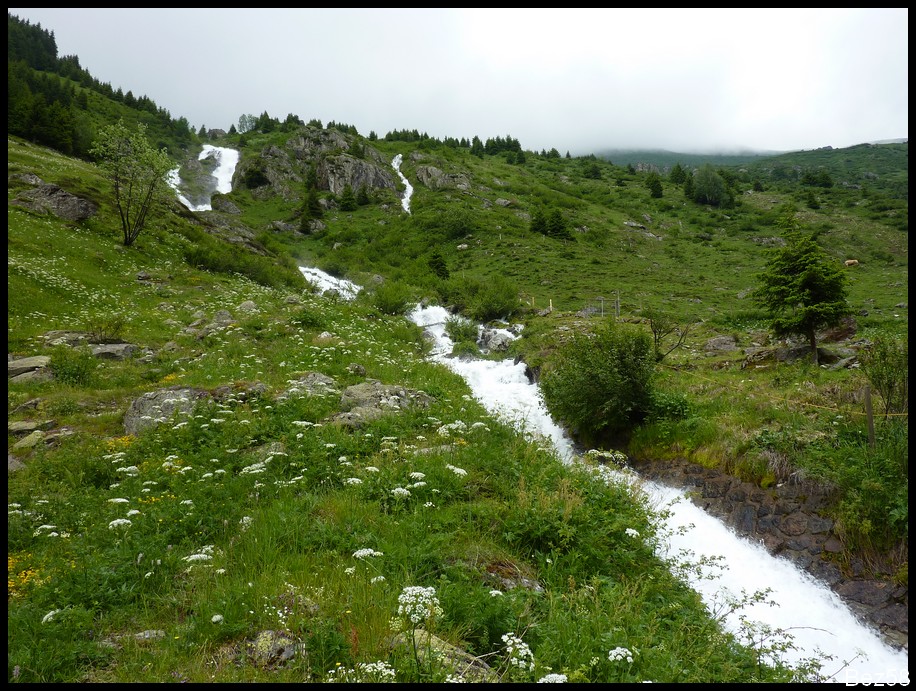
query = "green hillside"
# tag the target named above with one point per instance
(260, 525)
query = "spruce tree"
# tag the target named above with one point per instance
(801, 288)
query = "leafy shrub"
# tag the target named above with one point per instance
(106, 328)
(668, 406)
(392, 297)
(885, 365)
(601, 383)
(460, 329)
(308, 318)
(872, 509)
(468, 348)
(497, 299)
(74, 366)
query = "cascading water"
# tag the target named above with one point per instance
(220, 178)
(408, 188)
(817, 620)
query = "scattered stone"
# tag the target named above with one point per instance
(469, 668)
(27, 364)
(272, 648)
(27, 426)
(30, 441)
(114, 351)
(157, 407)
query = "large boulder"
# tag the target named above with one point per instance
(46, 198)
(371, 400)
(157, 407)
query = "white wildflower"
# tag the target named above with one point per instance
(366, 552)
(49, 616)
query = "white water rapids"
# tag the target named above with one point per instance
(819, 623)
(221, 177)
(816, 620)
(408, 188)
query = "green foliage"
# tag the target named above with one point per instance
(662, 325)
(592, 171)
(654, 185)
(205, 252)
(137, 172)
(348, 199)
(678, 174)
(481, 300)
(73, 366)
(800, 288)
(309, 318)
(872, 510)
(601, 383)
(668, 406)
(885, 363)
(600, 590)
(709, 188)
(461, 330)
(255, 176)
(438, 265)
(106, 328)
(393, 297)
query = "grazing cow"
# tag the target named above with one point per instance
(851, 262)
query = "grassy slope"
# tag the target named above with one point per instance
(697, 263)
(281, 542)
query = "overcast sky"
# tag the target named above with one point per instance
(577, 80)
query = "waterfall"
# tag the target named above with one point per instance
(408, 192)
(220, 179)
(815, 618)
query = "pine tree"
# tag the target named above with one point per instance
(800, 288)
(348, 199)
(654, 185)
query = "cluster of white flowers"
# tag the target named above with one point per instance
(618, 654)
(457, 426)
(417, 604)
(364, 672)
(217, 618)
(254, 468)
(519, 653)
(353, 481)
(245, 522)
(366, 552)
(119, 523)
(460, 472)
(552, 679)
(631, 532)
(400, 492)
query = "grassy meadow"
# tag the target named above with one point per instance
(253, 539)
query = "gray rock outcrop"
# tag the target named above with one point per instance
(46, 198)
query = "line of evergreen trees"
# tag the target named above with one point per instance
(50, 98)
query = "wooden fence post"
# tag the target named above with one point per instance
(870, 416)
